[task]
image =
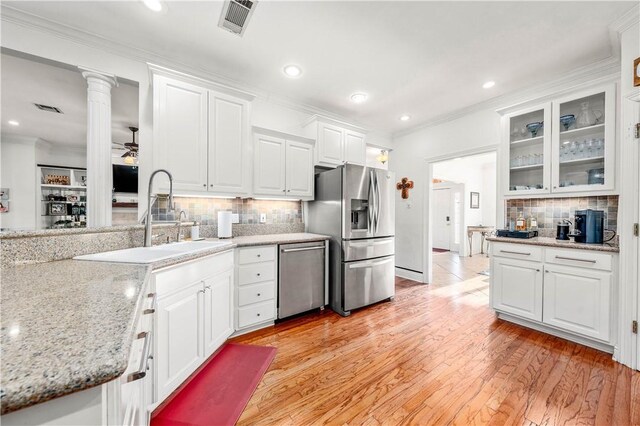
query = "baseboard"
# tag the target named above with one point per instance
(555, 332)
(409, 274)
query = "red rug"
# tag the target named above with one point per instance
(219, 392)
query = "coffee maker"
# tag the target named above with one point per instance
(589, 226)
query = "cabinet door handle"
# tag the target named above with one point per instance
(152, 309)
(576, 260)
(515, 252)
(142, 370)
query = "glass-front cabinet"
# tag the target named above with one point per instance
(528, 150)
(563, 146)
(583, 143)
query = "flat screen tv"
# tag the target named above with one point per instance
(125, 178)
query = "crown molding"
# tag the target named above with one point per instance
(328, 120)
(599, 71)
(620, 25)
(282, 135)
(95, 41)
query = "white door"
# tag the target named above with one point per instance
(269, 172)
(228, 145)
(299, 173)
(441, 212)
(329, 142)
(355, 148)
(577, 300)
(179, 337)
(180, 133)
(218, 311)
(517, 287)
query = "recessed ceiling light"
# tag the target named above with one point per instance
(292, 71)
(154, 5)
(359, 98)
(488, 84)
(14, 122)
(405, 117)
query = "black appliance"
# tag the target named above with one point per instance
(516, 234)
(589, 226)
(125, 178)
(562, 230)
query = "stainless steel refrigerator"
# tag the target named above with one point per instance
(355, 206)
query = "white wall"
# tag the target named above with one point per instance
(60, 156)
(18, 174)
(409, 159)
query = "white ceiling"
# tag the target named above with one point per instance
(26, 80)
(420, 58)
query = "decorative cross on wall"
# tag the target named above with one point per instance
(404, 185)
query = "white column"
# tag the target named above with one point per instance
(99, 174)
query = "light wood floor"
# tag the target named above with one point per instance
(436, 355)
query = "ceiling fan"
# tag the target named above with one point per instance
(131, 148)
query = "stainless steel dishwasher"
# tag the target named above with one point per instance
(302, 272)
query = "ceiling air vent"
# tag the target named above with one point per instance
(235, 15)
(49, 108)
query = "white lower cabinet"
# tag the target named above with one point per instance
(518, 287)
(194, 317)
(578, 300)
(565, 290)
(180, 325)
(256, 283)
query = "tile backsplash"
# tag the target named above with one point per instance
(550, 211)
(205, 210)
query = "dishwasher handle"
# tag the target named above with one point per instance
(302, 249)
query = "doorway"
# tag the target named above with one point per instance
(462, 194)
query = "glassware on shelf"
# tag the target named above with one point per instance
(582, 149)
(587, 116)
(567, 121)
(600, 147)
(573, 151)
(534, 128)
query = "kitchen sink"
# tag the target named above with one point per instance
(155, 253)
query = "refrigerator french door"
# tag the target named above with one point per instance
(355, 206)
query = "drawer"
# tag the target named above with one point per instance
(581, 258)
(175, 278)
(517, 251)
(256, 273)
(369, 248)
(255, 314)
(256, 254)
(255, 293)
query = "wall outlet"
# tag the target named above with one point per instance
(235, 218)
(263, 218)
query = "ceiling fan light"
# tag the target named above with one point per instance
(129, 160)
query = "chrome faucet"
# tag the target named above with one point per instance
(147, 225)
(182, 213)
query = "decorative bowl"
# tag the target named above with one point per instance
(567, 120)
(534, 128)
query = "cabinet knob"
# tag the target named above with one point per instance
(537, 270)
(258, 314)
(258, 294)
(546, 272)
(546, 188)
(258, 255)
(258, 274)
(284, 190)
(211, 185)
(288, 190)
(555, 187)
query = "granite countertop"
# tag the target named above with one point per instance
(552, 242)
(263, 240)
(66, 326)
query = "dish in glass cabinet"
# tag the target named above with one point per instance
(534, 128)
(567, 121)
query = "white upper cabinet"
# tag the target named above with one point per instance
(283, 165)
(336, 142)
(229, 159)
(330, 144)
(201, 135)
(269, 165)
(561, 147)
(355, 148)
(299, 169)
(180, 132)
(583, 146)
